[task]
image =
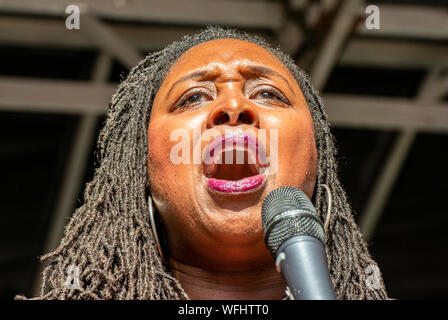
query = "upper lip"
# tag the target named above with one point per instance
(234, 141)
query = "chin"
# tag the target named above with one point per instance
(234, 228)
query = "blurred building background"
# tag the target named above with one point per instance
(385, 91)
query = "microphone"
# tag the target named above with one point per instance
(295, 235)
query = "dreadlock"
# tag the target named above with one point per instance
(109, 237)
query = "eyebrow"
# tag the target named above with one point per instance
(192, 75)
(252, 69)
(262, 70)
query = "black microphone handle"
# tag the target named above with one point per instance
(303, 263)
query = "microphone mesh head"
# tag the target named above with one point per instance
(287, 212)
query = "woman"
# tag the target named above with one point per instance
(207, 216)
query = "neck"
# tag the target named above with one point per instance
(201, 284)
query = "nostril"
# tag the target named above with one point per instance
(245, 117)
(221, 118)
(234, 118)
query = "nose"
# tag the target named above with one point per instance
(233, 112)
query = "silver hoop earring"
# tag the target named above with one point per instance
(153, 227)
(329, 205)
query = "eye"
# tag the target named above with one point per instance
(269, 94)
(192, 98)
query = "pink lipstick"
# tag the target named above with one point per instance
(242, 185)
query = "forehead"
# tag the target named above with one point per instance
(226, 53)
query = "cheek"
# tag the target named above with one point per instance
(158, 141)
(169, 179)
(160, 169)
(297, 153)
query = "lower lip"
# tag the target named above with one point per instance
(229, 186)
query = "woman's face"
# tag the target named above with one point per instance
(211, 201)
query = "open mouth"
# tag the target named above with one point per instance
(235, 164)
